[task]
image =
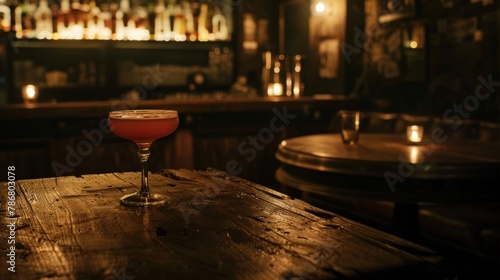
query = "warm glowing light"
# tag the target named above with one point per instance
(415, 133)
(414, 154)
(30, 93)
(320, 7)
(277, 89)
(413, 44)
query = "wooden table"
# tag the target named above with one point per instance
(386, 167)
(216, 227)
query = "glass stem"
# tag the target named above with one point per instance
(144, 156)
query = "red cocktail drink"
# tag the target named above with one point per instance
(143, 127)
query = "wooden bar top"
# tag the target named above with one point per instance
(216, 226)
(211, 104)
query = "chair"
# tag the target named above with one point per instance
(378, 122)
(457, 128)
(489, 131)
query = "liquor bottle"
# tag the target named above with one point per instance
(92, 30)
(125, 9)
(54, 9)
(267, 58)
(179, 23)
(169, 21)
(159, 11)
(122, 15)
(18, 20)
(277, 81)
(287, 76)
(28, 20)
(160, 21)
(203, 32)
(104, 23)
(188, 15)
(195, 11)
(138, 25)
(84, 16)
(77, 27)
(4, 16)
(297, 68)
(43, 21)
(219, 25)
(63, 20)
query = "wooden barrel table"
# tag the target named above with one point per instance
(386, 167)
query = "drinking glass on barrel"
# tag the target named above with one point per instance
(349, 126)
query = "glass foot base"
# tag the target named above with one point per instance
(136, 199)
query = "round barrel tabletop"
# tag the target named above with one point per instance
(383, 154)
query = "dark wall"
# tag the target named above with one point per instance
(456, 45)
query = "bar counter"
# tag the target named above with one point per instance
(184, 105)
(216, 226)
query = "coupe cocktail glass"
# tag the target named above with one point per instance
(143, 127)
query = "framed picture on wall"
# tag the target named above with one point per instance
(328, 51)
(393, 10)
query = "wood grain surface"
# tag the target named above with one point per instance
(216, 227)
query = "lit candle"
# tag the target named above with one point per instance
(30, 93)
(277, 89)
(270, 91)
(415, 133)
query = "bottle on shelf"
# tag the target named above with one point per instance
(113, 10)
(267, 58)
(219, 25)
(121, 18)
(203, 32)
(179, 20)
(4, 16)
(27, 20)
(297, 69)
(160, 21)
(30, 19)
(54, 9)
(287, 76)
(195, 12)
(104, 23)
(169, 22)
(188, 15)
(92, 31)
(179, 23)
(43, 21)
(138, 24)
(78, 15)
(277, 80)
(18, 20)
(64, 21)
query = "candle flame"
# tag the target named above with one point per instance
(30, 91)
(415, 133)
